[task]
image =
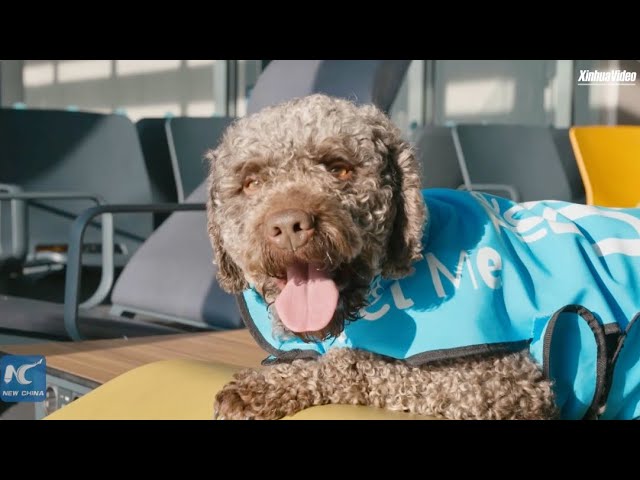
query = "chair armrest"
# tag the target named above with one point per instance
(510, 189)
(74, 253)
(18, 222)
(21, 195)
(464, 170)
(19, 225)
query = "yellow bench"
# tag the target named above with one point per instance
(184, 390)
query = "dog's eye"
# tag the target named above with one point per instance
(340, 171)
(251, 184)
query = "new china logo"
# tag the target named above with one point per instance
(23, 378)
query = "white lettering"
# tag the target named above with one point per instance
(551, 215)
(27, 393)
(436, 267)
(376, 292)
(526, 227)
(508, 222)
(613, 76)
(375, 315)
(489, 261)
(607, 246)
(400, 301)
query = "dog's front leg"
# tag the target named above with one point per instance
(279, 390)
(494, 387)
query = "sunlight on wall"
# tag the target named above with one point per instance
(138, 88)
(97, 109)
(157, 110)
(38, 74)
(248, 72)
(602, 96)
(630, 100)
(548, 98)
(78, 70)
(200, 109)
(407, 108)
(200, 63)
(496, 95)
(137, 67)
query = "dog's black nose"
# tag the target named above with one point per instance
(289, 229)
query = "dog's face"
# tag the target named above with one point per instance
(308, 202)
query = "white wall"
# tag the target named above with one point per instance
(495, 91)
(535, 92)
(142, 88)
(628, 106)
(11, 90)
(407, 110)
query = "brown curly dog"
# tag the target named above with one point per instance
(321, 188)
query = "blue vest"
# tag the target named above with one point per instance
(560, 279)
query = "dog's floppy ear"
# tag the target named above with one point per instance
(229, 274)
(405, 243)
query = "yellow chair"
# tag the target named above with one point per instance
(609, 161)
(184, 390)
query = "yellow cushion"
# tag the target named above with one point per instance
(183, 390)
(609, 161)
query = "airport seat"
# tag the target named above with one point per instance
(173, 277)
(609, 161)
(184, 390)
(189, 138)
(23, 318)
(33, 319)
(569, 163)
(516, 161)
(66, 151)
(436, 152)
(362, 81)
(155, 149)
(13, 250)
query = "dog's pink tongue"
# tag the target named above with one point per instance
(308, 300)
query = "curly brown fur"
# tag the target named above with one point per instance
(368, 222)
(480, 387)
(375, 218)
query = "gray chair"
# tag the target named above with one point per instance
(152, 134)
(29, 320)
(25, 319)
(63, 152)
(13, 249)
(569, 164)
(520, 162)
(173, 277)
(363, 81)
(436, 153)
(188, 140)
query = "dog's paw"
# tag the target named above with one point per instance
(229, 405)
(235, 403)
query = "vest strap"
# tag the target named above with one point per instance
(609, 341)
